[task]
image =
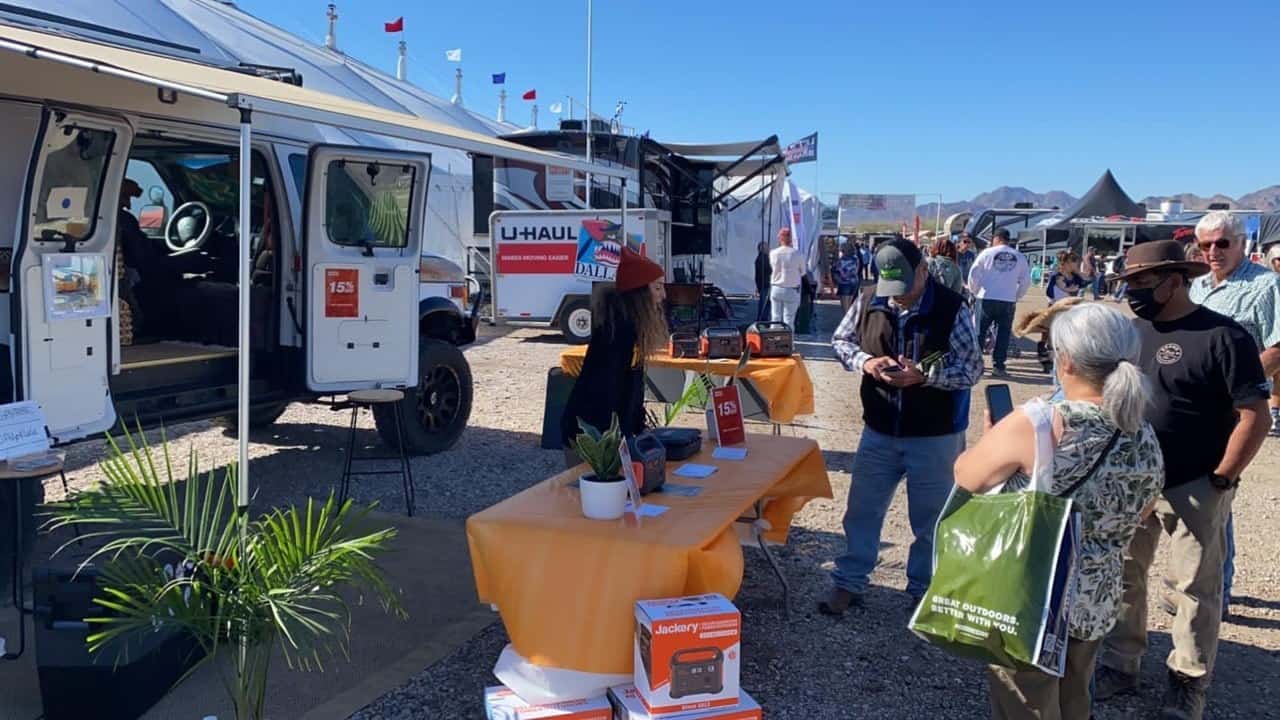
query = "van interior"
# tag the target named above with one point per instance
(177, 250)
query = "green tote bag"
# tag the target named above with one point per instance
(1004, 568)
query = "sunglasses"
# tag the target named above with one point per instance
(1220, 243)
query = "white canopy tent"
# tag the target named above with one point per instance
(60, 69)
(220, 34)
(752, 214)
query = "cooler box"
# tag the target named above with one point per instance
(74, 684)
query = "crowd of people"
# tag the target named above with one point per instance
(1153, 423)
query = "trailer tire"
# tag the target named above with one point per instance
(575, 322)
(436, 411)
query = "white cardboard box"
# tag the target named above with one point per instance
(500, 703)
(687, 653)
(628, 706)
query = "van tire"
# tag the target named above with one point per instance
(575, 322)
(437, 410)
(260, 416)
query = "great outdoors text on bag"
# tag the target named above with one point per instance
(1004, 568)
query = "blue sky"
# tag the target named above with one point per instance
(1173, 96)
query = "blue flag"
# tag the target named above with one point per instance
(499, 78)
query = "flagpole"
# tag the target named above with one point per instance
(587, 125)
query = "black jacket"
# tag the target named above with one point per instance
(917, 411)
(764, 272)
(609, 383)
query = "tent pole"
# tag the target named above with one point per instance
(587, 123)
(244, 280)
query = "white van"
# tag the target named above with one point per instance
(119, 274)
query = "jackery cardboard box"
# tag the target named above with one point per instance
(687, 653)
(500, 703)
(627, 706)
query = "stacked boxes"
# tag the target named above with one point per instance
(500, 703)
(687, 654)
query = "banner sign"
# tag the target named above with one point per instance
(803, 150)
(868, 208)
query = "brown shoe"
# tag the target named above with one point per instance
(839, 601)
(1185, 698)
(1109, 682)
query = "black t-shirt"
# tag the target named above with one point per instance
(1202, 367)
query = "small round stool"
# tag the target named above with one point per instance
(370, 399)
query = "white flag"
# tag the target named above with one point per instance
(555, 108)
(454, 55)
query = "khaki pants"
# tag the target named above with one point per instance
(1034, 695)
(1194, 516)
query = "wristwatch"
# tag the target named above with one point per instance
(1222, 482)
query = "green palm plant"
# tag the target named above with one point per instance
(242, 586)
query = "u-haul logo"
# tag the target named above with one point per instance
(676, 628)
(532, 233)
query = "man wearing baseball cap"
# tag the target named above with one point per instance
(915, 346)
(1209, 412)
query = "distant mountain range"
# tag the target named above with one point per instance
(1267, 199)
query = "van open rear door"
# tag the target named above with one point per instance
(64, 272)
(365, 213)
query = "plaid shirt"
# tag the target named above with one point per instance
(959, 370)
(1250, 296)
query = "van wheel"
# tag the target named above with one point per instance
(575, 322)
(437, 410)
(260, 416)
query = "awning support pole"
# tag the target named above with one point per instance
(244, 280)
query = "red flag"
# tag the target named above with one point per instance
(531, 95)
(397, 26)
(917, 228)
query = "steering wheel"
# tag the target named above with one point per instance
(186, 221)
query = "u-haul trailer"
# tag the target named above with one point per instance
(545, 261)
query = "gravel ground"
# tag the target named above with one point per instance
(866, 665)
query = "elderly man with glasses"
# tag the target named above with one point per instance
(1249, 294)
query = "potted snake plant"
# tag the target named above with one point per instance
(603, 492)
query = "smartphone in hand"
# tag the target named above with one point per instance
(999, 401)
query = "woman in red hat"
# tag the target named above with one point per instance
(627, 325)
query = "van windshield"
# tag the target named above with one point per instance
(75, 164)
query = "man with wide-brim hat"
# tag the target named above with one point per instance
(1209, 410)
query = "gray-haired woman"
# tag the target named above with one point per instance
(1096, 437)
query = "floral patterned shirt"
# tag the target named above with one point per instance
(1110, 503)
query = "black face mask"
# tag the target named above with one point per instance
(1143, 302)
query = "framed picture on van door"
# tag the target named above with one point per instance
(75, 286)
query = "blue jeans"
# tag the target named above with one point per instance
(1001, 314)
(878, 467)
(1229, 565)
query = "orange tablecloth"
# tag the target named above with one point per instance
(566, 586)
(783, 382)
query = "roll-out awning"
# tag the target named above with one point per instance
(262, 95)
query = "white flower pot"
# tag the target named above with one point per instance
(602, 500)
